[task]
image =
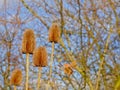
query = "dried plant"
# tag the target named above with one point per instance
(90, 32)
(28, 41)
(40, 60)
(28, 46)
(68, 69)
(54, 33)
(16, 78)
(40, 57)
(54, 37)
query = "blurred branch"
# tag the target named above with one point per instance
(34, 13)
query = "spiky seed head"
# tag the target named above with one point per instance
(28, 41)
(40, 57)
(67, 69)
(16, 77)
(54, 33)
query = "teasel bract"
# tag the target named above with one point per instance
(54, 37)
(16, 78)
(28, 46)
(39, 60)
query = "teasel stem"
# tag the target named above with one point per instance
(39, 75)
(51, 62)
(15, 88)
(27, 70)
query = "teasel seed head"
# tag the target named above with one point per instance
(28, 41)
(67, 69)
(16, 77)
(40, 57)
(54, 33)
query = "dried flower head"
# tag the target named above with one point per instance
(16, 77)
(67, 69)
(40, 57)
(54, 33)
(28, 41)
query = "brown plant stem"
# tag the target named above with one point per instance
(27, 70)
(15, 88)
(51, 62)
(39, 75)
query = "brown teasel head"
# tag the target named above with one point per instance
(16, 77)
(40, 57)
(28, 41)
(54, 33)
(67, 69)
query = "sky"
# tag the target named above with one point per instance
(8, 1)
(9, 4)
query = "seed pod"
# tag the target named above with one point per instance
(28, 41)
(54, 33)
(67, 69)
(40, 57)
(16, 77)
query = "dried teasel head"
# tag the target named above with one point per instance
(28, 41)
(67, 69)
(16, 77)
(54, 33)
(40, 57)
